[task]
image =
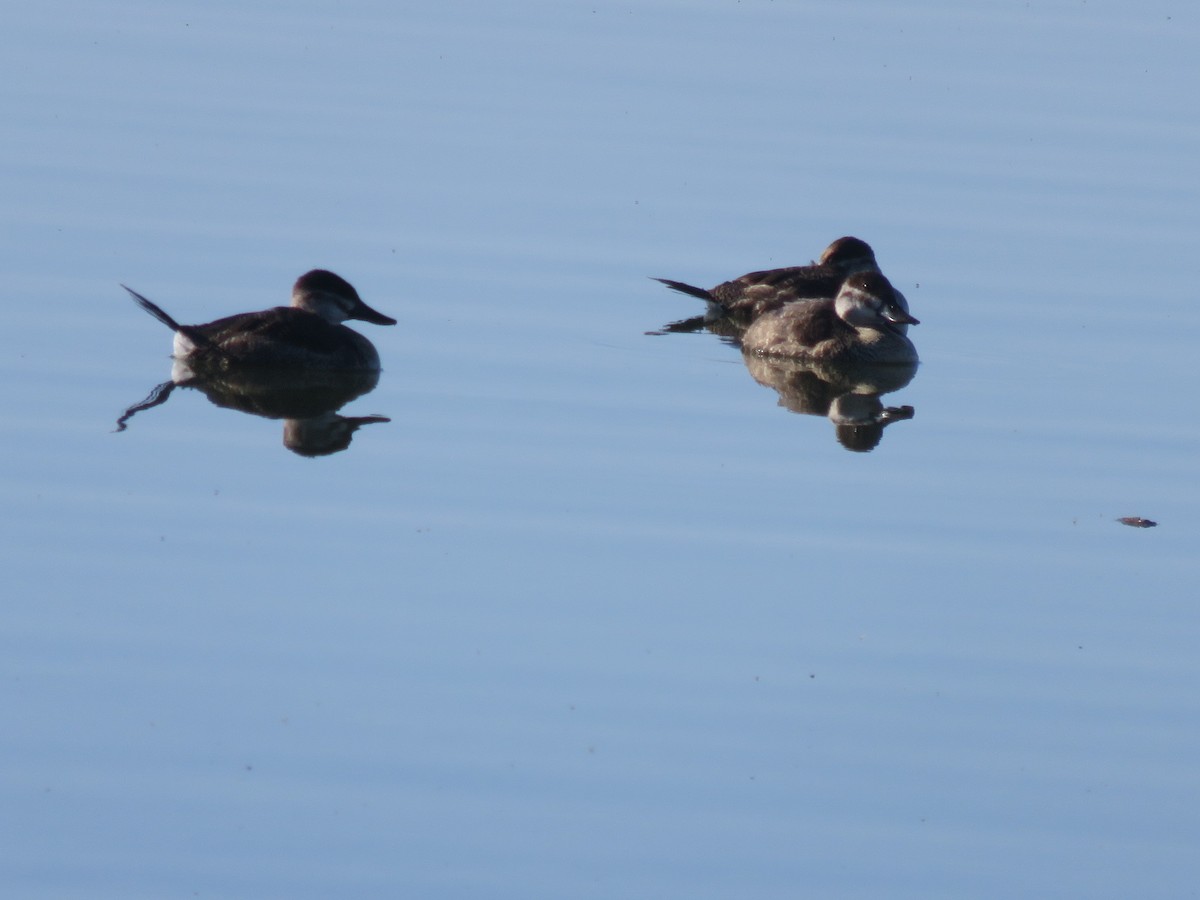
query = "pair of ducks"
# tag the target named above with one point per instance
(850, 313)
(840, 309)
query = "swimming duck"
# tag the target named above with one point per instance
(746, 298)
(307, 334)
(862, 325)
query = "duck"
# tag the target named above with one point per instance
(746, 298)
(860, 326)
(308, 334)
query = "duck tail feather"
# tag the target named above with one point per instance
(690, 289)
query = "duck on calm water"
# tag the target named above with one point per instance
(861, 325)
(746, 298)
(307, 334)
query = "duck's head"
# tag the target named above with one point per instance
(333, 298)
(849, 255)
(868, 300)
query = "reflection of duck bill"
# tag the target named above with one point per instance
(325, 434)
(896, 414)
(866, 409)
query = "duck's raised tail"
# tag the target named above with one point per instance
(154, 309)
(684, 289)
(191, 332)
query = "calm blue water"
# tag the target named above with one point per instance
(594, 615)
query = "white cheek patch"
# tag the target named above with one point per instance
(333, 308)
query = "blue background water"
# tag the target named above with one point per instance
(593, 616)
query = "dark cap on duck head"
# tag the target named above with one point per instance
(322, 281)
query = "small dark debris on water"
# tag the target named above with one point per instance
(1137, 522)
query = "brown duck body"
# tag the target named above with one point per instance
(862, 325)
(283, 336)
(755, 293)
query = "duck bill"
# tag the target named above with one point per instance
(898, 316)
(366, 314)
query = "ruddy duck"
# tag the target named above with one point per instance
(862, 325)
(746, 298)
(307, 334)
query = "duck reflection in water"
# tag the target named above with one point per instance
(297, 363)
(848, 394)
(308, 402)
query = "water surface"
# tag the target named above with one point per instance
(593, 615)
